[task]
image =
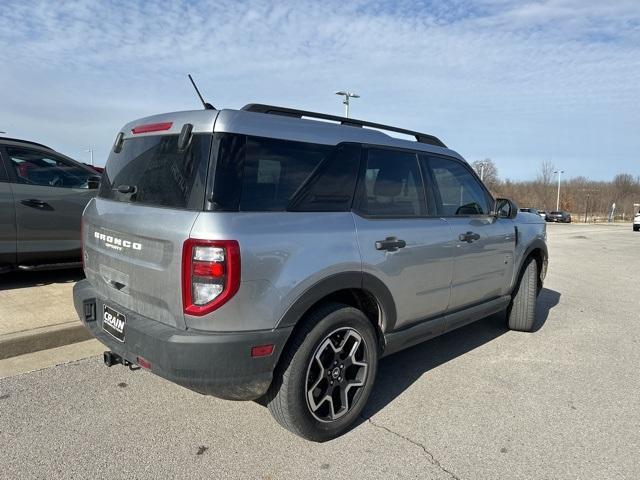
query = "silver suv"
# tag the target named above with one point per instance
(276, 255)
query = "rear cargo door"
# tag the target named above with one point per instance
(150, 196)
(133, 257)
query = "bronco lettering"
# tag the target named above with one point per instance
(116, 243)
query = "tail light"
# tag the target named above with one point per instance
(210, 274)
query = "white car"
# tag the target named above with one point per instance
(636, 222)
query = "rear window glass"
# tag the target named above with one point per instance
(157, 173)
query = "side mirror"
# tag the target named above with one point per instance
(505, 208)
(93, 182)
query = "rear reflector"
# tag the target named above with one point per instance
(151, 127)
(143, 363)
(262, 350)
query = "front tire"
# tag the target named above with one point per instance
(521, 314)
(326, 373)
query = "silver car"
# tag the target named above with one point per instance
(263, 254)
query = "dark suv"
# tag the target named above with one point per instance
(42, 196)
(559, 216)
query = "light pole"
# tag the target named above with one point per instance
(559, 172)
(90, 150)
(347, 95)
(482, 171)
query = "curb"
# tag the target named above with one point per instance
(20, 343)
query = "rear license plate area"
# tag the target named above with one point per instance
(113, 322)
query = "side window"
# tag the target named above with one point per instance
(32, 167)
(332, 185)
(392, 185)
(459, 191)
(3, 170)
(275, 169)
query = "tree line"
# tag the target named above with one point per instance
(578, 195)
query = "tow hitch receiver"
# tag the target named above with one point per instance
(110, 359)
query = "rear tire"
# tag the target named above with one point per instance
(521, 314)
(326, 373)
(636, 228)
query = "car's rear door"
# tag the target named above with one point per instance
(484, 245)
(401, 244)
(7, 220)
(50, 193)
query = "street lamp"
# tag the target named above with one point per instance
(482, 171)
(347, 95)
(559, 172)
(90, 150)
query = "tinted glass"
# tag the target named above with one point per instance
(275, 169)
(157, 173)
(392, 185)
(32, 167)
(331, 187)
(3, 170)
(459, 191)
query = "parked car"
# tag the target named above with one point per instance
(42, 195)
(636, 222)
(263, 254)
(542, 213)
(559, 216)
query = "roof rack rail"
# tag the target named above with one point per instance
(24, 141)
(292, 112)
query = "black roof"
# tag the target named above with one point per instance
(9, 139)
(292, 112)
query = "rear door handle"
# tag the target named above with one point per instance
(35, 203)
(469, 237)
(390, 244)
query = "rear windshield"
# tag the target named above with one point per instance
(150, 170)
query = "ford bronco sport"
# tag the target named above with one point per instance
(262, 254)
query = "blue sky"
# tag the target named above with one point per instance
(516, 81)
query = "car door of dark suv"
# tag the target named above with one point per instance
(7, 221)
(50, 193)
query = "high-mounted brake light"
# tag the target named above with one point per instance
(151, 127)
(210, 274)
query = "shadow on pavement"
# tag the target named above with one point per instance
(19, 279)
(398, 372)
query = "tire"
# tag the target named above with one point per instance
(636, 228)
(521, 313)
(309, 361)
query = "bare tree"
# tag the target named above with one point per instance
(542, 185)
(489, 173)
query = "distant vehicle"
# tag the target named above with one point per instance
(542, 213)
(256, 254)
(42, 196)
(559, 217)
(636, 223)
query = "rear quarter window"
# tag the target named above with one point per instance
(255, 174)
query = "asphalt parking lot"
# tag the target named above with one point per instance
(478, 403)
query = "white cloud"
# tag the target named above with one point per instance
(516, 81)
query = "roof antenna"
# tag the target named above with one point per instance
(206, 105)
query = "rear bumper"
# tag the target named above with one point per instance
(218, 364)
